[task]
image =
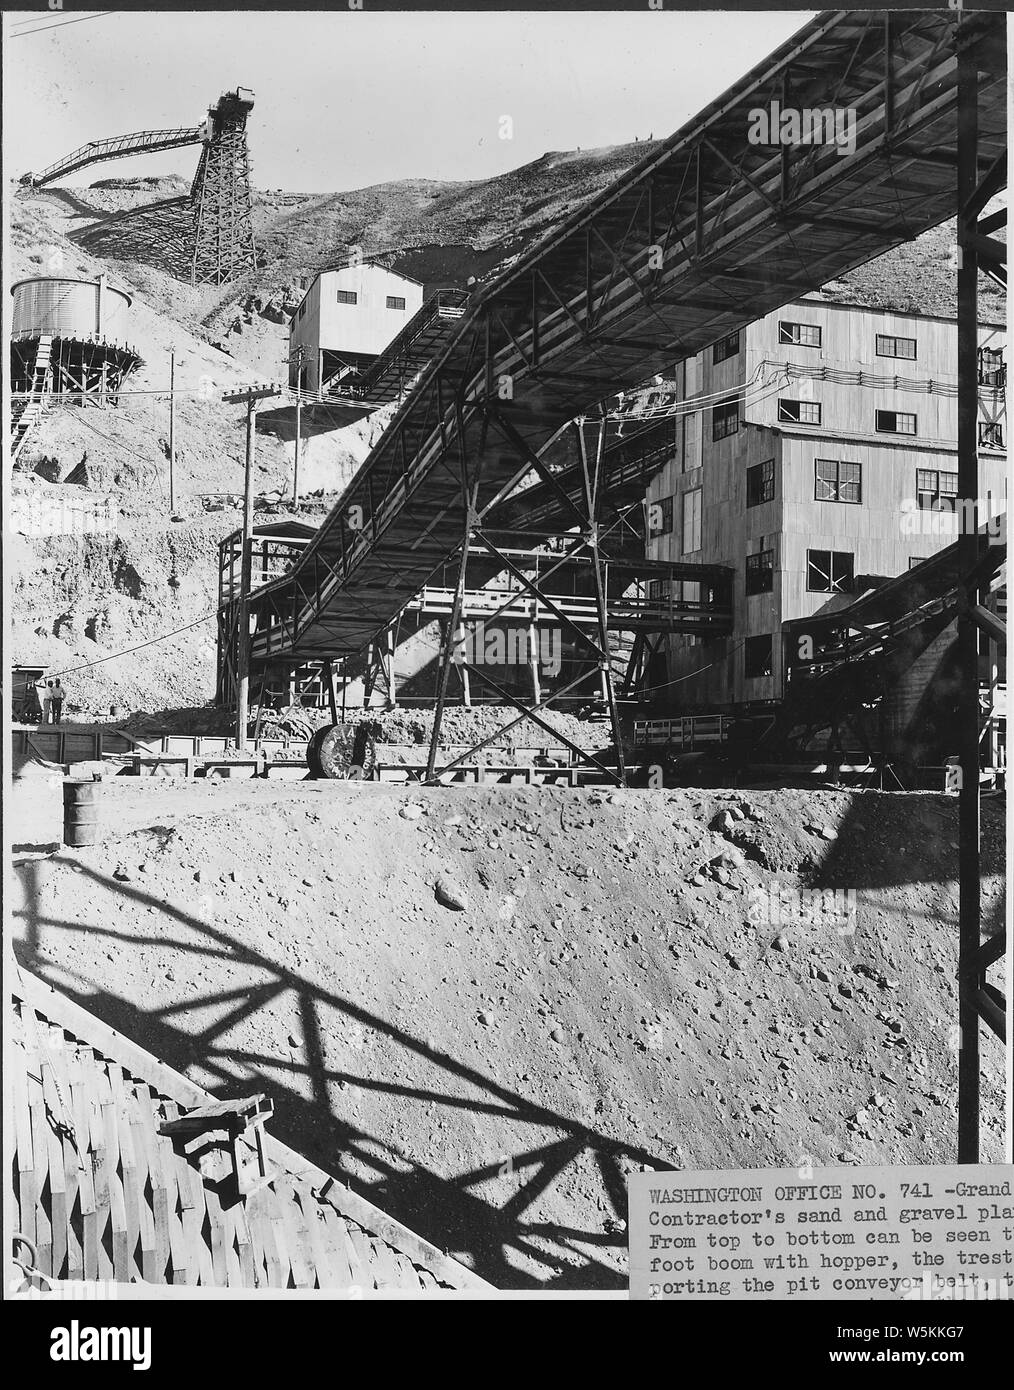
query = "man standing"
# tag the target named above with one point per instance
(56, 694)
(42, 700)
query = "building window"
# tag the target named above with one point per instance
(691, 521)
(934, 490)
(347, 297)
(890, 346)
(757, 657)
(837, 482)
(760, 572)
(660, 514)
(991, 367)
(991, 434)
(658, 590)
(726, 348)
(725, 419)
(895, 422)
(799, 412)
(830, 571)
(395, 301)
(760, 483)
(800, 334)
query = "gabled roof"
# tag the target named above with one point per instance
(367, 262)
(103, 1194)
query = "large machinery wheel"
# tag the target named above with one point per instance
(343, 750)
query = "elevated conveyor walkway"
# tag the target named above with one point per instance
(708, 233)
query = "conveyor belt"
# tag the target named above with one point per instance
(706, 234)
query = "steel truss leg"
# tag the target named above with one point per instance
(591, 481)
(473, 532)
(975, 997)
(470, 496)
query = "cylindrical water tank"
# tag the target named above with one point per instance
(70, 308)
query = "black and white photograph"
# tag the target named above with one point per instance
(505, 686)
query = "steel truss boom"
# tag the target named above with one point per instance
(686, 247)
(118, 147)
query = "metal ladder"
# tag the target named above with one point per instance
(31, 413)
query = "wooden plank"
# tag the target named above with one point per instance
(18, 1073)
(233, 1268)
(245, 1252)
(362, 1263)
(192, 1212)
(383, 1263)
(217, 1221)
(255, 1225)
(67, 1138)
(338, 1251)
(283, 1235)
(345, 1247)
(27, 1181)
(323, 1264)
(302, 1258)
(406, 1274)
(100, 1164)
(117, 1213)
(179, 1254)
(131, 1185)
(81, 1073)
(91, 1071)
(149, 1120)
(142, 1144)
(56, 1172)
(43, 1236)
(193, 1234)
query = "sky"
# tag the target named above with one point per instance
(348, 99)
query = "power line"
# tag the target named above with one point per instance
(118, 444)
(41, 28)
(129, 650)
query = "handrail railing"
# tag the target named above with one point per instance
(117, 147)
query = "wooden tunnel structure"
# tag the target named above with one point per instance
(125, 1172)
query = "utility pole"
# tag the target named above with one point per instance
(247, 398)
(299, 424)
(172, 432)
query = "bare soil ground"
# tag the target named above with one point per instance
(483, 1007)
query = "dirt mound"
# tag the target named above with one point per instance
(484, 1007)
(458, 726)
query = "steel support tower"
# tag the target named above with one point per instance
(223, 221)
(978, 999)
